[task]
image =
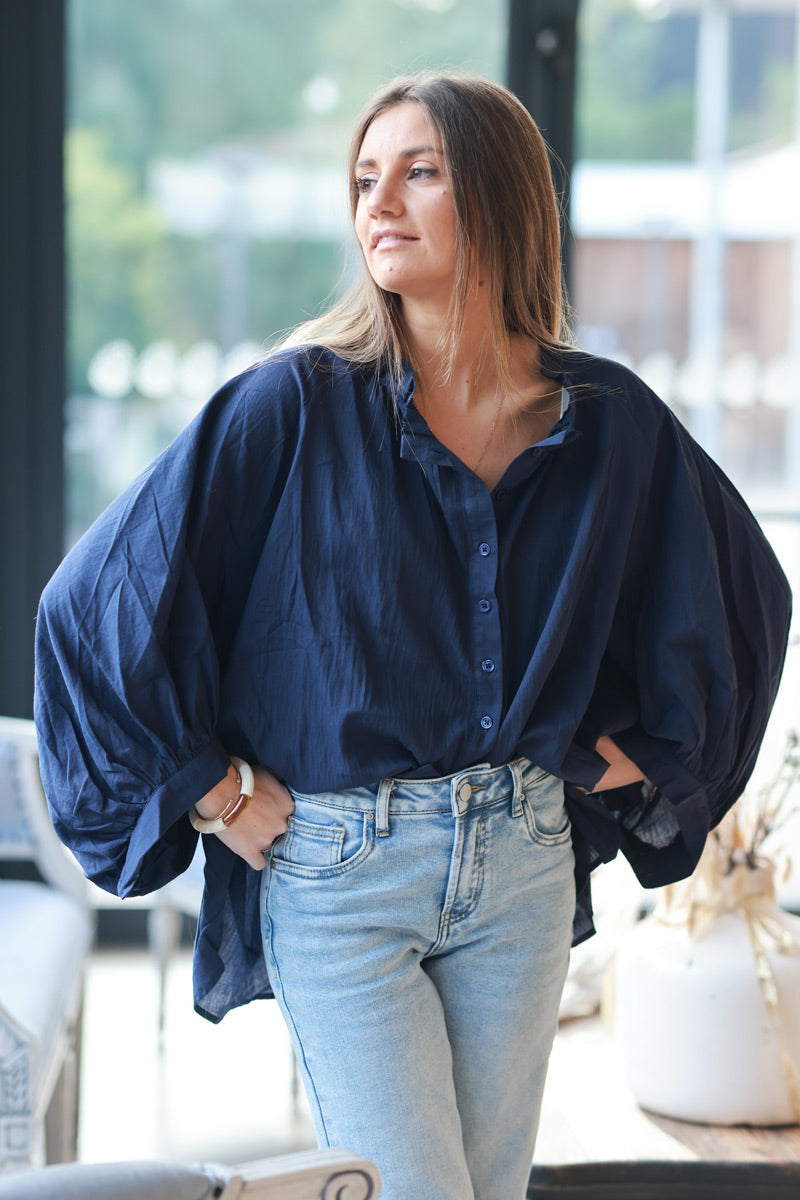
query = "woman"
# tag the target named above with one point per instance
(477, 598)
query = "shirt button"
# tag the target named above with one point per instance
(484, 549)
(487, 665)
(500, 495)
(485, 605)
(486, 722)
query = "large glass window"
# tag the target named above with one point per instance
(207, 206)
(687, 225)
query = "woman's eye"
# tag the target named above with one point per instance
(364, 184)
(422, 172)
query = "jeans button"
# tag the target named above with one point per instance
(464, 791)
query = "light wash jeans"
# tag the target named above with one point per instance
(417, 937)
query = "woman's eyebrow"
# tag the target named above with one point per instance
(412, 152)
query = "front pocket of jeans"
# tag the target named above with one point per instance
(545, 812)
(311, 848)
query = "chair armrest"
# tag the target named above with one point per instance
(308, 1175)
(26, 807)
(330, 1174)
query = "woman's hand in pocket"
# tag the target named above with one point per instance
(265, 817)
(621, 769)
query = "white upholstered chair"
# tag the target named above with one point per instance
(47, 929)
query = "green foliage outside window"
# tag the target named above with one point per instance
(180, 79)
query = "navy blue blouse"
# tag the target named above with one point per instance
(307, 578)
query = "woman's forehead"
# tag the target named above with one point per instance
(402, 128)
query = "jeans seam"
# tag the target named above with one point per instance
(319, 833)
(481, 839)
(349, 808)
(543, 839)
(393, 812)
(278, 984)
(330, 836)
(451, 915)
(283, 867)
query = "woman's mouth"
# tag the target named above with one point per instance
(390, 238)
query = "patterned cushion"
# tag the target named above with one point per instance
(45, 940)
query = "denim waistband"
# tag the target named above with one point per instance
(458, 793)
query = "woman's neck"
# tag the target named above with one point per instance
(470, 379)
(463, 378)
(485, 418)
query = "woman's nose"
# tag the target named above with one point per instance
(384, 197)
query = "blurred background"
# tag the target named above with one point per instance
(207, 205)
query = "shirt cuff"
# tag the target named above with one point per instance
(168, 804)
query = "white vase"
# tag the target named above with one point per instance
(697, 1037)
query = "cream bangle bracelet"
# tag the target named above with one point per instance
(231, 810)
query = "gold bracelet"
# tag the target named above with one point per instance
(234, 808)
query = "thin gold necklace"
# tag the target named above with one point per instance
(490, 434)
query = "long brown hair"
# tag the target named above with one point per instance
(506, 209)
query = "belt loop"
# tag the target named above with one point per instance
(382, 808)
(516, 774)
(455, 798)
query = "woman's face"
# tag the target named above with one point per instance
(405, 217)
